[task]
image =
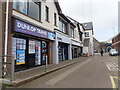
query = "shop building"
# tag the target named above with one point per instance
(31, 45)
(62, 43)
(76, 34)
(31, 33)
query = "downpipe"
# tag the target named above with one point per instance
(6, 31)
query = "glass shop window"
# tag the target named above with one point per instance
(38, 53)
(18, 50)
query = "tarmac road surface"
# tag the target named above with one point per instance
(95, 72)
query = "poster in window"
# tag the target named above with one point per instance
(38, 53)
(20, 57)
(31, 47)
(14, 41)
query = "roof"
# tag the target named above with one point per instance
(88, 26)
(61, 14)
(76, 23)
(58, 6)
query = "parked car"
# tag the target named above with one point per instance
(113, 52)
(95, 51)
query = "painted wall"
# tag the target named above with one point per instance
(60, 37)
(91, 47)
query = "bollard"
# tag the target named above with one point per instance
(46, 63)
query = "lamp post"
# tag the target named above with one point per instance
(114, 37)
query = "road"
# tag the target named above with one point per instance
(95, 72)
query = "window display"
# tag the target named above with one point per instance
(18, 50)
(20, 57)
(31, 46)
(44, 51)
(38, 53)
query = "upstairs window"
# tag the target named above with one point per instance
(87, 34)
(62, 26)
(28, 7)
(71, 31)
(55, 19)
(86, 42)
(20, 5)
(34, 10)
(47, 13)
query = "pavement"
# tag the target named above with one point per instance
(94, 72)
(26, 76)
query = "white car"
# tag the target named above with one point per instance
(113, 52)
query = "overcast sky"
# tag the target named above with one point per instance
(103, 14)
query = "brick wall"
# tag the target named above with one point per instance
(0, 28)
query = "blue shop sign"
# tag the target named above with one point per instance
(32, 30)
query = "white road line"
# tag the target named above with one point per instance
(108, 67)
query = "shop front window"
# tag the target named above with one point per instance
(38, 53)
(62, 52)
(18, 51)
(44, 52)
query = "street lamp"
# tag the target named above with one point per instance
(114, 34)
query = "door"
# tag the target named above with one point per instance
(31, 54)
(44, 52)
(65, 52)
(60, 52)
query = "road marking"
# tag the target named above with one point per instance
(108, 67)
(112, 67)
(113, 82)
(60, 77)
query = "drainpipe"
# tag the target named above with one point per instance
(6, 30)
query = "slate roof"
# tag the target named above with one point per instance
(88, 26)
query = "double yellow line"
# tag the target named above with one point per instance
(113, 82)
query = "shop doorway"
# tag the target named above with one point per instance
(31, 54)
(44, 53)
(62, 52)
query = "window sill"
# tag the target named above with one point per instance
(47, 21)
(55, 25)
(28, 16)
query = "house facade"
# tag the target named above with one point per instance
(88, 38)
(76, 35)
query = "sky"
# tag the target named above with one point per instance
(103, 14)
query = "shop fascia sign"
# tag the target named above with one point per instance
(32, 30)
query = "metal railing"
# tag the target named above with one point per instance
(5, 64)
